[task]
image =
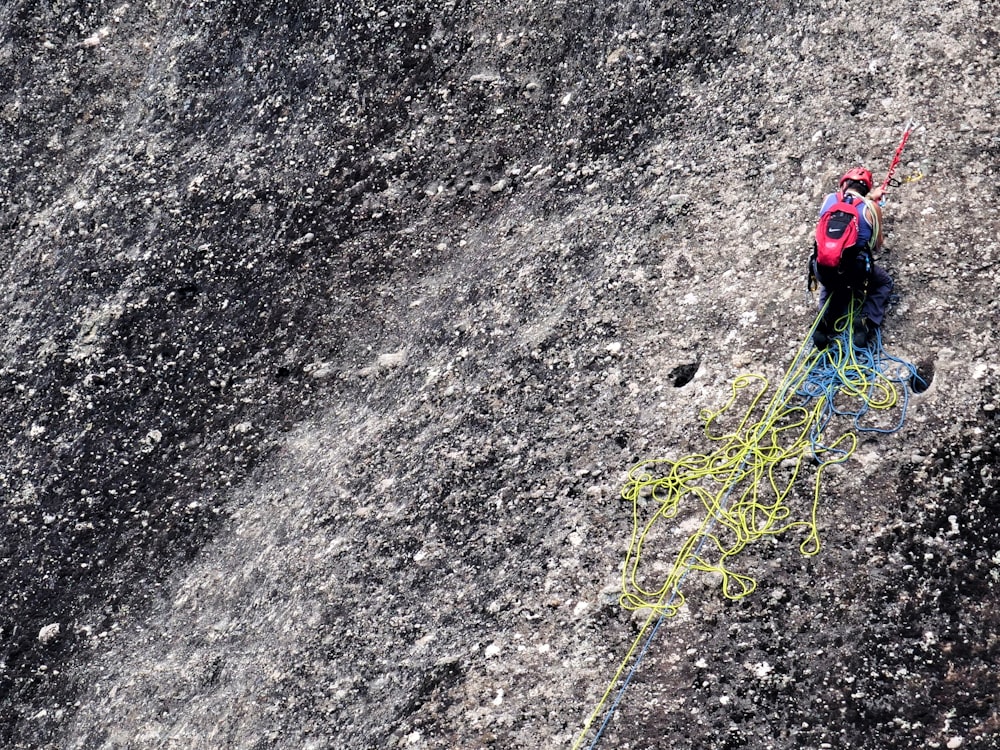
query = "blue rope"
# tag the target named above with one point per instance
(628, 678)
(868, 365)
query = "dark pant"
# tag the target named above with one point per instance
(863, 280)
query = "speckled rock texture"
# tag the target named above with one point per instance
(330, 330)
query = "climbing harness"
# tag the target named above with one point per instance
(744, 489)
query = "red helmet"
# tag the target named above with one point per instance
(859, 174)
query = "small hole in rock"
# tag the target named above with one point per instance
(682, 374)
(921, 381)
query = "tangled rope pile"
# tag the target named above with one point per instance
(743, 490)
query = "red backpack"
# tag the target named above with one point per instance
(837, 233)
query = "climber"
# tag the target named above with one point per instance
(848, 233)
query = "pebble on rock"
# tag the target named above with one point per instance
(48, 633)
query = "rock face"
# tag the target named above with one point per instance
(330, 330)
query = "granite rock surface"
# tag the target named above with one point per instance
(331, 329)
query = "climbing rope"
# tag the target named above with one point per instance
(743, 490)
(857, 383)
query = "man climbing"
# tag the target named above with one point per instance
(849, 231)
